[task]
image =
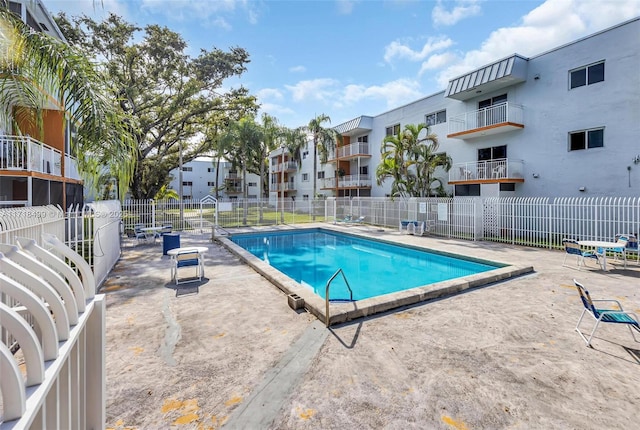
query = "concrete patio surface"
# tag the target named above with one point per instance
(231, 353)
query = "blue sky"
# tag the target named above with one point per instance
(362, 57)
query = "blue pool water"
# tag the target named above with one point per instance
(372, 268)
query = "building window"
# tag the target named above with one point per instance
(305, 154)
(468, 190)
(321, 175)
(305, 177)
(436, 118)
(252, 184)
(586, 75)
(586, 139)
(187, 197)
(393, 130)
(494, 153)
(363, 139)
(211, 184)
(211, 169)
(187, 183)
(364, 170)
(305, 197)
(187, 169)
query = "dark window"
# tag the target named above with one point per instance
(187, 169)
(393, 130)
(587, 75)
(507, 186)
(211, 169)
(436, 118)
(320, 175)
(363, 139)
(494, 153)
(586, 139)
(468, 190)
(364, 170)
(211, 184)
(187, 183)
(578, 78)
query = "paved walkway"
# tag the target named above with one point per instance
(234, 354)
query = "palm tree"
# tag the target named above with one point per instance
(270, 136)
(324, 141)
(294, 140)
(36, 67)
(410, 158)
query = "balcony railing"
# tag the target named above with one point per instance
(287, 186)
(289, 166)
(486, 171)
(348, 181)
(499, 118)
(28, 154)
(352, 150)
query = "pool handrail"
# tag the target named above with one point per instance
(326, 295)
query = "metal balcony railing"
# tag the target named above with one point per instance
(347, 181)
(486, 117)
(502, 168)
(358, 148)
(28, 154)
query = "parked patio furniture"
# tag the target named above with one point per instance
(614, 316)
(498, 171)
(186, 258)
(571, 247)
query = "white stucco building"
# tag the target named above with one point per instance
(563, 123)
(200, 178)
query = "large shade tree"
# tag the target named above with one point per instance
(410, 159)
(36, 68)
(175, 101)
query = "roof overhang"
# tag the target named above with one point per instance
(501, 74)
(359, 125)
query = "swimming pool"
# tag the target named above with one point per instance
(341, 311)
(372, 268)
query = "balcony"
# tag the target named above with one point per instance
(286, 187)
(26, 154)
(346, 152)
(490, 171)
(287, 166)
(501, 118)
(347, 182)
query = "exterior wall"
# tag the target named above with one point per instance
(40, 182)
(551, 111)
(203, 172)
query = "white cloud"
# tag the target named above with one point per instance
(397, 50)
(206, 12)
(96, 10)
(297, 69)
(553, 23)
(394, 93)
(437, 61)
(345, 7)
(269, 94)
(462, 9)
(316, 89)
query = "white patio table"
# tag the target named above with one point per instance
(600, 244)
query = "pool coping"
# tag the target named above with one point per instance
(343, 312)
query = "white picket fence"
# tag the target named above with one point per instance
(46, 284)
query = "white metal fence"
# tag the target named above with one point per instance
(49, 285)
(528, 221)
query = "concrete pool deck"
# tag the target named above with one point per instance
(234, 354)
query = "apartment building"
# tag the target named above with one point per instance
(560, 124)
(200, 178)
(37, 166)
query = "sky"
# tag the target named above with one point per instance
(346, 58)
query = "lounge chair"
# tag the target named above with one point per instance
(615, 316)
(185, 259)
(572, 247)
(358, 220)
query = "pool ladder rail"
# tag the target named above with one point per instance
(326, 295)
